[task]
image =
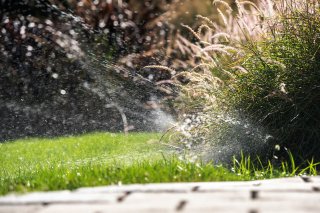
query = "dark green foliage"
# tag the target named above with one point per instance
(281, 90)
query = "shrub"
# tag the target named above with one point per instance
(257, 84)
(281, 90)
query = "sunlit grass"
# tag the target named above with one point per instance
(96, 159)
(110, 159)
(93, 148)
(253, 168)
(46, 163)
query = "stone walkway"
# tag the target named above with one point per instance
(289, 195)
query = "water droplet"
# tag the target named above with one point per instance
(102, 24)
(23, 30)
(48, 22)
(55, 75)
(29, 48)
(31, 25)
(63, 92)
(150, 77)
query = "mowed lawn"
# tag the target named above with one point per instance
(96, 159)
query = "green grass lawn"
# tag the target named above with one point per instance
(105, 158)
(96, 159)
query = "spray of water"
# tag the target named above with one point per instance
(67, 62)
(218, 137)
(225, 135)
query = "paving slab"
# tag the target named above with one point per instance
(147, 188)
(297, 194)
(101, 208)
(19, 209)
(312, 179)
(58, 197)
(252, 207)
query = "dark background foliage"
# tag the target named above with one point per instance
(75, 66)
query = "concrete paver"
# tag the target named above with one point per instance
(58, 197)
(279, 195)
(18, 208)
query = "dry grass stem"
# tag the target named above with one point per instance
(159, 67)
(215, 2)
(192, 31)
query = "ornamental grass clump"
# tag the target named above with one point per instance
(281, 89)
(206, 121)
(256, 86)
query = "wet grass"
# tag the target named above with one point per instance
(111, 159)
(95, 159)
